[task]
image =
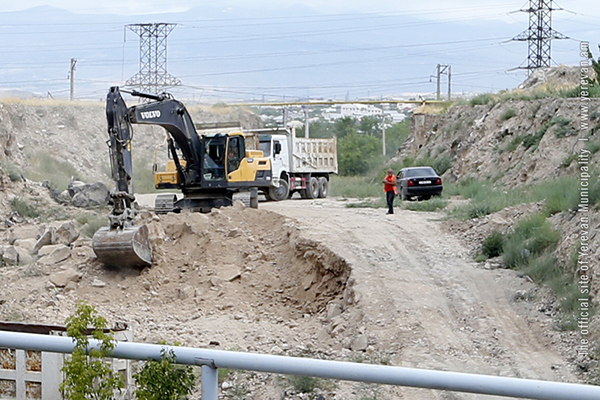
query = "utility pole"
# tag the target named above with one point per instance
(441, 70)
(539, 34)
(449, 83)
(383, 132)
(72, 77)
(306, 123)
(285, 117)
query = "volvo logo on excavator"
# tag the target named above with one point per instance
(150, 114)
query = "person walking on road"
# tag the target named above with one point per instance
(389, 187)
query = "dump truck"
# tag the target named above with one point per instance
(302, 165)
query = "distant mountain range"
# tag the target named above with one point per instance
(265, 54)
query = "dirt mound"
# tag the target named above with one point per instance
(236, 264)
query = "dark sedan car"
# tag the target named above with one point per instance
(420, 182)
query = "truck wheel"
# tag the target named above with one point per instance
(323, 187)
(281, 192)
(312, 190)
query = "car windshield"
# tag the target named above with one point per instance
(417, 172)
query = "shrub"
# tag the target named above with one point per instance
(24, 208)
(13, 172)
(164, 380)
(514, 143)
(492, 245)
(563, 126)
(441, 164)
(566, 162)
(304, 384)
(483, 99)
(89, 377)
(507, 114)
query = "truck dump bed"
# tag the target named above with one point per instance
(310, 155)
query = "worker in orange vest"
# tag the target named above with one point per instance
(389, 187)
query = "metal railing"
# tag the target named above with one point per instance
(211, 360)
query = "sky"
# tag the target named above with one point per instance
(277, 50)
(436, 9)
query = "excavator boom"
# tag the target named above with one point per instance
(121, 244)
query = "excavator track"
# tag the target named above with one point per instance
(127, 247)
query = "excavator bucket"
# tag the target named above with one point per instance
(127, 247)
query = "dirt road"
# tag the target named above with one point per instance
(421, 300)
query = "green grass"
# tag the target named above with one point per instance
(433, 204)
(355, 186)
(559, 195)
(528, 248)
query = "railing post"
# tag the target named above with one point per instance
(210, 382)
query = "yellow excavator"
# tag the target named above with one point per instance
(208, 169)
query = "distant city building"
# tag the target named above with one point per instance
(351, 110)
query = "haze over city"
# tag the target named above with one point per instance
(274, 51)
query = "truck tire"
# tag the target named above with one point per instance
(281, 192)
(312, 189)
(323, 187)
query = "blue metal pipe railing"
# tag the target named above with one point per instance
(211, 360)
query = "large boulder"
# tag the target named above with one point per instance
(88, 194)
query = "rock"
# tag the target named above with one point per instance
(62, 278)
(10, 256)
(27, 244)
(58, 255)
(24, 255)
(98, 283)
(80, 200)
(44, 251)
(359, 343)
(65, 234)
(333, 310)
(23, 232)
(70, 286)
(215, 281)
(44, 240)
(186, 292)
(86, 195)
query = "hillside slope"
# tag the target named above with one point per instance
(46, 139)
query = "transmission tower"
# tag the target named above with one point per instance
(153, 76)
(539, 34)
